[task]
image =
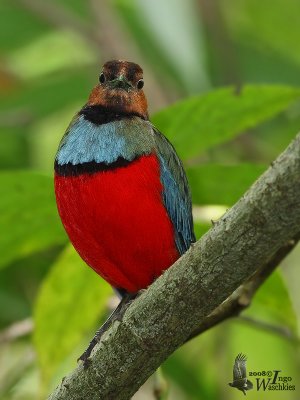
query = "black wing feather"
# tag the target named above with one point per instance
(239, 368)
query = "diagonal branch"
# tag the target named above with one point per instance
(243, 246)
(242, 296)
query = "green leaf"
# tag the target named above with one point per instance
(260, 26)
(28, 216)
(198, 123)
(272, 303)
(70, 302)
(221, 184)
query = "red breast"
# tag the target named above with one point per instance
(117, 222)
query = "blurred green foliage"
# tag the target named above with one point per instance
(232, 70)
(221, 115)
(28, 228)
(72, 309)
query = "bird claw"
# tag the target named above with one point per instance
(85, 358)
(117, 315)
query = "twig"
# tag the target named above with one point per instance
(16, 330)
(282, 331)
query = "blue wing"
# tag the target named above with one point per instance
(176, 193)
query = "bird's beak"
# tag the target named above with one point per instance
(120, 83)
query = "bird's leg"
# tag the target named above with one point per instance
(116, 315)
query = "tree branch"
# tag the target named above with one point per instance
(16, 330)
(279, 330)
(240, 246)
(242, 296)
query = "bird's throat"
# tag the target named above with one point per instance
(98, 114)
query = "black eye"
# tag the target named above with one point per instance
(140, 84)
(102, 78)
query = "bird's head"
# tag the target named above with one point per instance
(120, 89)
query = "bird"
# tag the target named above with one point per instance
(240, 380)
(121, 190)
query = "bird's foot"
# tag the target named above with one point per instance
(85, 357)
(116, 315)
